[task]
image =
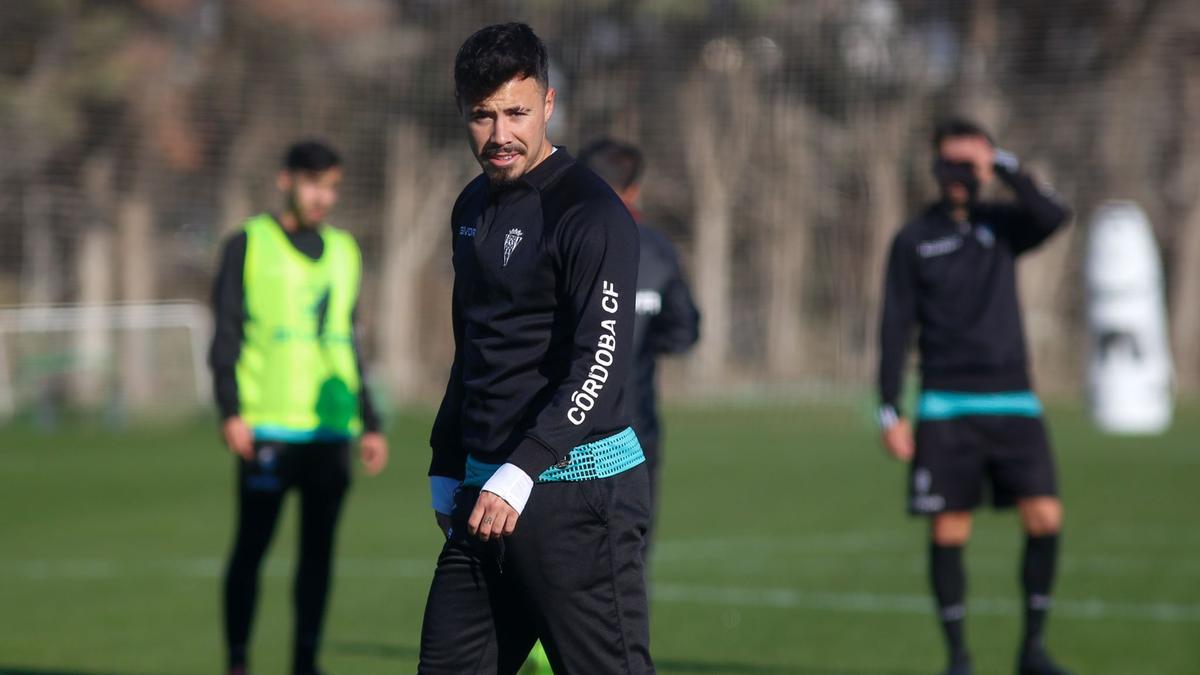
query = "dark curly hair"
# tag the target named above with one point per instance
(619, 164)
(310, 156)
(495, 55)
(958, 127)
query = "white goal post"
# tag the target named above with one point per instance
(90, 331)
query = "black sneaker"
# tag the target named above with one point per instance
(1036, 661)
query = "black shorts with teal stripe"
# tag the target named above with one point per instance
(972, 445)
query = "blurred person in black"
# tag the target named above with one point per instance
(290, 390)
(537, 479)
(951, 276)
(666, 320)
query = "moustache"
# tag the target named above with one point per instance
(503, 150)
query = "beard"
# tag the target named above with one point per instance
(504, 176)
(306, 218)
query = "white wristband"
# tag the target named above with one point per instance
(888, 417)
(442, 490)
(1007, 161)
(512, 485)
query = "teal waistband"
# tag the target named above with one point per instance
(285, 435)
(946, 405)
(599, 459)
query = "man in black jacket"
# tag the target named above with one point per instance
(538, 481)
(952, 275)
(666, 319)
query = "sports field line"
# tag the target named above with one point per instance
(861, 541)
(889, 552)
(895, 603)
(664, 592)
(729, 557)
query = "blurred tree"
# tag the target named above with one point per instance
(422, 181)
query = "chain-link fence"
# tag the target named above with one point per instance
(786, 142)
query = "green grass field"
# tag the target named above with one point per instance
(782, 549)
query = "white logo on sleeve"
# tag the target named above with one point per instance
(648, 303)
(588, 393)
(511, 240)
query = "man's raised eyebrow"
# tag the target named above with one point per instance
(519, 108)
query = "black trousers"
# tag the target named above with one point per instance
(571, 575)
(321, 473)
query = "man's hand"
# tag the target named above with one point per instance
(373, 449)
(898, 439)
(491, 517)
(443, 523)
(984, 159)
(1005, 162)
(238, 437)
(974, 150)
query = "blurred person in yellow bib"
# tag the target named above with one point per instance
(290, 390)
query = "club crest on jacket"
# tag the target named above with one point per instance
(511, 240)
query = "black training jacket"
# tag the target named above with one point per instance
(956, 282)
(667, 322)
(545, 274)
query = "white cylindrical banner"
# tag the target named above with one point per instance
(1130, 377)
